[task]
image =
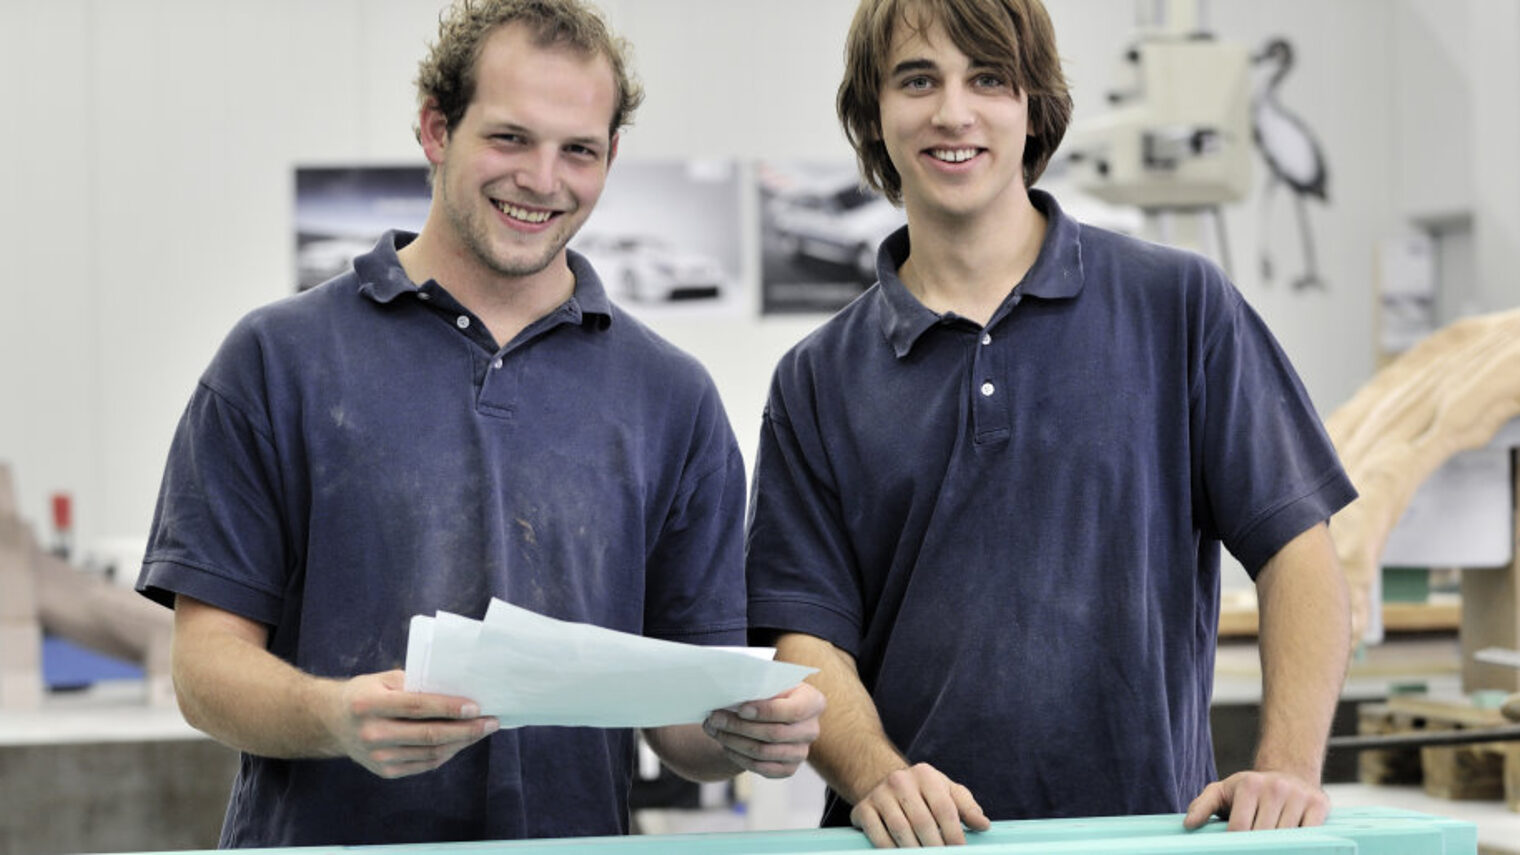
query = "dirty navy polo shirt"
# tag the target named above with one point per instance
(364, 452)
(1015, 530)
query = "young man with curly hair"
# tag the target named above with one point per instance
(462, 416)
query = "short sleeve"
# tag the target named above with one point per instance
(801, 570)
(218, 533)
(1269, 470)
(695, 582)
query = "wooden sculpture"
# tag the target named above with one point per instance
(1450, 393)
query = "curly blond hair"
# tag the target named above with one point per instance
(447, 74)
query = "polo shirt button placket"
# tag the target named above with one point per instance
(496, 394)
(990, 406)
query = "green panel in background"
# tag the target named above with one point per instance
(1406, 584)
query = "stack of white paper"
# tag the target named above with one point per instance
(528, 669)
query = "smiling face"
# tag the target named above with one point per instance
(522, 170)
(953, 128)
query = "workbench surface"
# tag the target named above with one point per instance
(1351, 831)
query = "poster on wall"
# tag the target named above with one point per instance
(819, 228)
(342, 210)
(664, 238)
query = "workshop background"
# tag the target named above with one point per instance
(147, 197)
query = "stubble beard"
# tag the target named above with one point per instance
(475, 234)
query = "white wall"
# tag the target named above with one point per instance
(147, 186)
(1432, 91)
(1494, 34)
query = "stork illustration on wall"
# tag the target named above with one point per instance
(1292, 156)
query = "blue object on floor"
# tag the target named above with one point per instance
(66, 665)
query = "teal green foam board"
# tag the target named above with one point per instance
(1458, 836)
(1349, 831)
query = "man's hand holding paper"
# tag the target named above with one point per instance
(395, 733)
(770, 737)
(527, 669)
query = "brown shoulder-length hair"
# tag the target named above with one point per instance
(1012, 36)
(447, 74)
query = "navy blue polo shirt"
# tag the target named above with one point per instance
(364, 452)
(1015, 530)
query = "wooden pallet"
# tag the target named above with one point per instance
(1486, 770)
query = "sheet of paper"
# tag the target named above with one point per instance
(529, 669)
(419, 651)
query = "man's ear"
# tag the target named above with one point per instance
(432, 131)
(612, 149)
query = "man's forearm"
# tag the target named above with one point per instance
(1305, 639)
(229, 686)
(852, 753)
(690, 752)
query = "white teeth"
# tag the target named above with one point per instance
(523, 214)
(953, 155)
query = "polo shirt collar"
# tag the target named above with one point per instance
(1056, 275)
(382, 279)
(589, 302)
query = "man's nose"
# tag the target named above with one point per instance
(954, 109)
(537, 173)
